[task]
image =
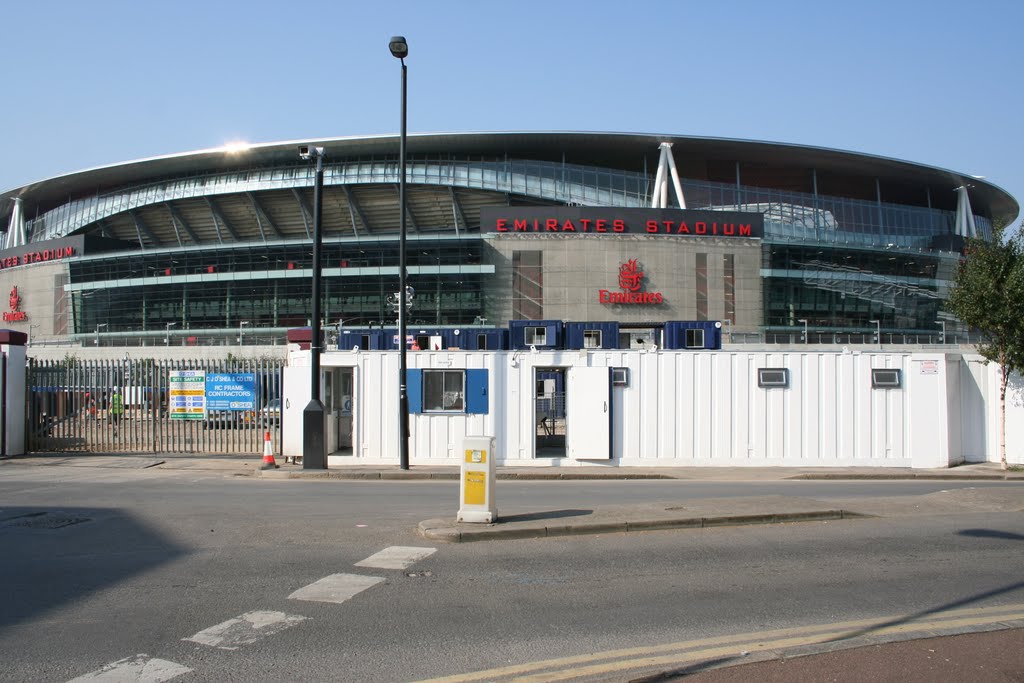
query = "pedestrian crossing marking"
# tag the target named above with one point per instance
(245, 629)
(141, 668)
(336, 588)
(396, 557)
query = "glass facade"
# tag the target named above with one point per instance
(269, 286)
(846, 289)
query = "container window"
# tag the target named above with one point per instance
(537, 336)
(695, 339)
(591, 339)
(885, 379)
(768, 378)
(444, 391)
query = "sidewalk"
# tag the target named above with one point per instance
(251, 464)
(979, 657)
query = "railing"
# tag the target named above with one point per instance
(129, 407)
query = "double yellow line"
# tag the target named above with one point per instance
(675, 655)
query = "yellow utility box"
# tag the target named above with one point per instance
(476, 481)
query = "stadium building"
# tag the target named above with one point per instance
(776, 241)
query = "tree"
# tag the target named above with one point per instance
(988, 295)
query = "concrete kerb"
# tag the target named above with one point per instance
(449, 531)
(977, 472)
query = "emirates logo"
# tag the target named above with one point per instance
(631, 280)
(630, 277)
(14, 315)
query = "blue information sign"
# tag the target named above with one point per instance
(231, 391)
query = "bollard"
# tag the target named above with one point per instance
(476, 481)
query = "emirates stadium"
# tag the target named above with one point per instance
(781, 243)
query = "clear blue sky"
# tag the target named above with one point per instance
(94, 83)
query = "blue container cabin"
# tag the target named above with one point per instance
(367, 339)
(696, 335)
(480, 338)
(592, 335)
(428, 338)
(540, 334)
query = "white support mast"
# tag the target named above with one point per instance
(666, 169)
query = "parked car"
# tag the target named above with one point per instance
(271, 413)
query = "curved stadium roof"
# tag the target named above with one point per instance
(632, 154)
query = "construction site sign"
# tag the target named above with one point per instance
(187, 394)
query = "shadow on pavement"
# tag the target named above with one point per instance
(55, 556)
(970, 600)
(991, 533)
(551, 514)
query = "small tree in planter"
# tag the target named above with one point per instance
(988, 295)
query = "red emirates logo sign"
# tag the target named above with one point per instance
(631, 280)
(14, 315)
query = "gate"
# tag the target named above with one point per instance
(129, 406)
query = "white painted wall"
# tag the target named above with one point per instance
(697, 409)
(14, 413)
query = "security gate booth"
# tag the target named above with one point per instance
(338, 395)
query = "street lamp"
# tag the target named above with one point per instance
(167, 333)
(241, 324)
(804, 321)
(878, 331)
(98, 326)
(30, 328)
(314, 424)
(400, 50)
(943, 323)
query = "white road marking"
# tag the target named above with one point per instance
(140, 668)
(246, 629)
(335, 588)
(396, 557)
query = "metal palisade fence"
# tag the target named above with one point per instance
(149, 406)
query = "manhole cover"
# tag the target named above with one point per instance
(44, 520)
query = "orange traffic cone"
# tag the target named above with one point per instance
(268, 454)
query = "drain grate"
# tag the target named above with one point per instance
(43, 520)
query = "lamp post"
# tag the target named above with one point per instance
(241, 324)
(804, 321)
(400, 50)
(30, 328)
(314, 425)
(878, 331)
(98, 326)
(167, 333)
(943, 323)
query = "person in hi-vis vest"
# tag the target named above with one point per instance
(116, 409)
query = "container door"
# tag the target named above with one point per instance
(588, 420)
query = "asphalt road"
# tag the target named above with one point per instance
(142, 559)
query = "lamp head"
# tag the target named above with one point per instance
(399, 48)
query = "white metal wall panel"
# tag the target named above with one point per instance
(811, 410)
(702, 414)
(651, 389)
(864, 427)
(684, 408)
